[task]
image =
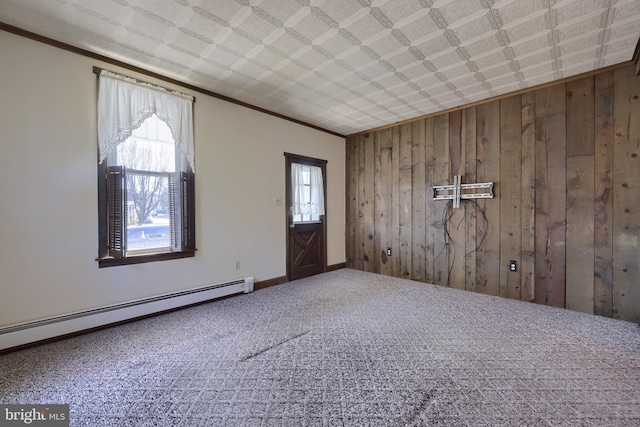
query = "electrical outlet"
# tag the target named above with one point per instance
(388, 251)
(513, 265)
(237, 265)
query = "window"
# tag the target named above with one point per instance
(307, 193)
(145, 172)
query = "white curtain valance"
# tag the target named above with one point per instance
(124, 104)
(307, 199)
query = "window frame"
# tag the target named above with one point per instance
(185, 178)
(105, 259)
(311, 219)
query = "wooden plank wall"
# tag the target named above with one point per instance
(565, 164)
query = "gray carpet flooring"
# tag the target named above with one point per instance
(346, 348)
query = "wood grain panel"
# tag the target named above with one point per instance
(551, 183)
(580, 117)
(510, 194)
(368, 218)
(580, 229)
(551, 101)
(352, 202)
(456, 225)
(603, 196)
(564, 162)
(418, 205)
(430, 205)
(360, 233)
(441, 174)
(405, 214)
(528, 213)
(626, 197)
(488, 170)
(395, 205)
(469, 207)
(580, 201)
(384, 187)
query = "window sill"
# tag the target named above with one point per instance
(140, 259)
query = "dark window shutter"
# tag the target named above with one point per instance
(175, 213)
(188, 211)
(116, 211)
(182, 211)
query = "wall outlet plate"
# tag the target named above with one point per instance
(388, 251)
(513, 265)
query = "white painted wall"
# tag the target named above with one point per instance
(48, 190)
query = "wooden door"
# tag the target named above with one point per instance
(306, 234)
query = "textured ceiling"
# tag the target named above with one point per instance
(346, 65)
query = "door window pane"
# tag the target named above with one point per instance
(305, 193)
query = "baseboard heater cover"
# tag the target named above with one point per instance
(38, 330)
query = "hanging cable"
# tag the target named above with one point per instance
(485, 228)
(447, 215)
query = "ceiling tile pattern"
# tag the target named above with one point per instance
(346, 65)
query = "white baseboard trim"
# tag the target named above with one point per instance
(30, 332)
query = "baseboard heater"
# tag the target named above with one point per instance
(38, 330)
